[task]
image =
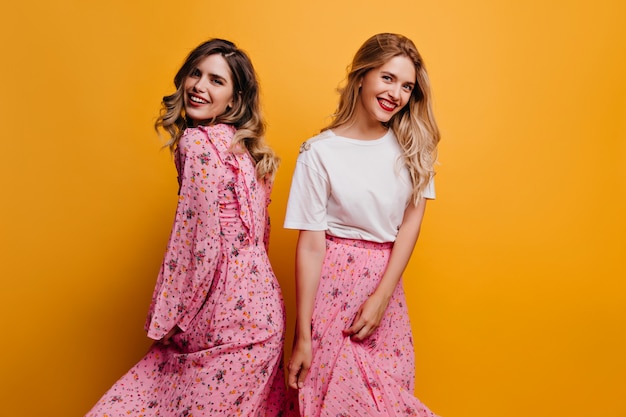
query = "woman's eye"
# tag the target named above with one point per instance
(408, 87)
(195, 73)
(218, 81)
(386, 78)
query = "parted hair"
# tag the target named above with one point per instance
(245, 114)
(414, 125)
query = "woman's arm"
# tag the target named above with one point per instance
(191, 256)
(310, 253)
(371, 312)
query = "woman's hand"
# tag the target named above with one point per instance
(370, 314)
(367, 318)
(167, 338)
(299, 364)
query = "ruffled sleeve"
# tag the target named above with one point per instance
(192, 254)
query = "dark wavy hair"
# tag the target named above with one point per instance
(245, 114)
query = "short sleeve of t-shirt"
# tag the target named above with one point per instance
(429, 191)
(308, 198)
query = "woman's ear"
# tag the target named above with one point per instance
(231, 103)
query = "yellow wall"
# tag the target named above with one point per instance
(518, 286)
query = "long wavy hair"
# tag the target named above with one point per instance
(414, 125)
(245, 114)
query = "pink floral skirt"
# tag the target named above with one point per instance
(228, 363)
(374, 377)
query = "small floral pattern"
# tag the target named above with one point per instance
(347, 378)
(217, 287)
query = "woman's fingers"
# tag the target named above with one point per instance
(357, 325)
(297, 374)
(304, 370)
(363, 333)
(293, 383)
(167, 338)
(294, 370)
(361, 329)
(299, 364)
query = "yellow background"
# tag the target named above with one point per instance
(518, 285)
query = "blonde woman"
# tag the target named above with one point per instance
(217, 315)
(358, 196)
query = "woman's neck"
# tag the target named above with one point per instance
(361, 131)
(361, 126)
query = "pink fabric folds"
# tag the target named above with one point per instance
(347, 378)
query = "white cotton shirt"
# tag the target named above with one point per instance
(351, 188)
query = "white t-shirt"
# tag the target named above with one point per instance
(356, 189)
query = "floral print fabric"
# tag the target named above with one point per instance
(217, 287)
(347, 378)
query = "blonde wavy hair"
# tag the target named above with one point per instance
(245, 114)
(414, 125)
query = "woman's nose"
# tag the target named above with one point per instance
(394, 91)
(201, 84)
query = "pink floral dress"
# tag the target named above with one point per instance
(217, 286)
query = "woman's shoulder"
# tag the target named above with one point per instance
(318, 141)
(219, 134)
(220, 130)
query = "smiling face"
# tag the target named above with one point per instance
(208, 89)
(385, 90)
